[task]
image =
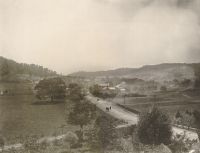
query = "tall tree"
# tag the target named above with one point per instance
(103, 135)
(4, 70)
(53, 88)
(2, 143)
(75, 92)
(196, 115)
(82, 113)
(154, 127)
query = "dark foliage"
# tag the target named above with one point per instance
(2, 142)
(53, 88)
(178, 114)
(97, 91)
(196, 67)
(154, 127)
(75, 92)
(103, 135)
(11, 68)
(196, 115)
(82, 113)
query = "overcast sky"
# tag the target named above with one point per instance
(72, 35)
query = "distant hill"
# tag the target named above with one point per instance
(160, 72)
(12, 71)
(116, 72)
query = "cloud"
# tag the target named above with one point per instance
(68, 35)
(164, 32)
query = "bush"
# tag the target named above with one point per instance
(154, 127)
(71, 138)
(179, 144)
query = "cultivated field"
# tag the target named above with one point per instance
(170, 102)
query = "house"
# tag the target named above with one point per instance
(135, 85)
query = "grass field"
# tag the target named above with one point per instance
(19, 116)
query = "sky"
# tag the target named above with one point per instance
(91, 35)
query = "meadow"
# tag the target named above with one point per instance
(20, 116)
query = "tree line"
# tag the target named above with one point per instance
(10, 68)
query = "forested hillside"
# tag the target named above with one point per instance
(160, 72)
(11, 70)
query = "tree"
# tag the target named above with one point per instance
(75, 92)
(178, 117)
(10, 68)
(103, 134)
(154, 127)
(95, 90)
(53, 88)
(196, 115)
(82, 113)
(188, 118)
(178, 114)
(5, 68)
(2, 143)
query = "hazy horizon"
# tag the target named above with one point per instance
(91, 35)
(108, 69)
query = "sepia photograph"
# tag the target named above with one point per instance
(99, 76)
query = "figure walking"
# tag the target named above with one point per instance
(107, 109)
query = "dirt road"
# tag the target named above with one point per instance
(131, 118)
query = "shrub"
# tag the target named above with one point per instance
(71, 138)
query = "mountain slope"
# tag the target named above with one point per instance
(11, 70)
(116, 72)
(160, 73)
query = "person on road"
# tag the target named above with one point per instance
(107, 109)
